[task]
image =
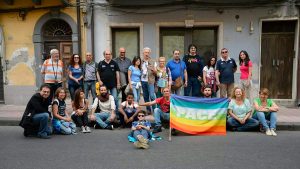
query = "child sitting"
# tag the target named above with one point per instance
(128, 111)
(61, 122)
(141, 130)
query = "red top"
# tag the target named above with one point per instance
(164, 104)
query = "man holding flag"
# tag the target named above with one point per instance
(162, 112)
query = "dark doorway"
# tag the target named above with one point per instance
(1, 83)
(277, 58)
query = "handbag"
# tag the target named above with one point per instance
(177, 83)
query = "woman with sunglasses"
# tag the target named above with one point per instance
(246, 72)
(209, 77)
(75, 74)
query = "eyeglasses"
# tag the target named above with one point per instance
(141, 115)
(122, 52)
(76, 57)
(224, 52)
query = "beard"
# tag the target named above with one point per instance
(103, 97)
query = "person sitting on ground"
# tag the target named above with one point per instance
(61, 121)
(128, 111)
(240, 112)
(141, 130)
(163, 111)
(80, 111)
(266, 109)
(207, 91)
(107, 106)
(37, 109)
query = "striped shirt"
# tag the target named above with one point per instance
(52, 71)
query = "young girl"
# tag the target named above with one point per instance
(61, 122)
(246, 72)
(141, 130)
(209, 77)
(128, 111)
(80, 111)
(134, 77)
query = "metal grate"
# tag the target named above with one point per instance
(57, 29)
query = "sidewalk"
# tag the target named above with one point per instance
(288, 118)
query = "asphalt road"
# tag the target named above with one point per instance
(110, 149)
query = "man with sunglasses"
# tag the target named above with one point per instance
(225, 69)
(163, 111)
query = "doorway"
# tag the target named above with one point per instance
(57, 34)
(277, 58)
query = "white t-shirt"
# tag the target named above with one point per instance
(107, 106)
(144, 72)
(124, 104)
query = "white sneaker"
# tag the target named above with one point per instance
(273, 132)
(268, 132)
(83, 129)
(87, 129)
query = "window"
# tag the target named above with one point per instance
(127, 38)
(205, 38)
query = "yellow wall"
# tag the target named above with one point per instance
(18, 39)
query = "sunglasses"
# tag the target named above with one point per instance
(141, 115)
(225, 52)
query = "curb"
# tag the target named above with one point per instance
(285, 126)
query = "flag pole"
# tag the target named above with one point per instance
(170, 135)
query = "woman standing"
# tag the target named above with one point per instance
(163, 75)
(134, 78)
(75, 74)
(246, 72)
(265, 109)
(80, 111)
(61, 122)
(209, 77)
(240, 112)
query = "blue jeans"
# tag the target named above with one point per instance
(272, 117)
(158, 114)
(142, 132)
(90, 86)
(114, 93)
(136, 93)
(72, 89)
(148, 91)
(249, 125)
(41, 119)
(103, 119)
(194, 85)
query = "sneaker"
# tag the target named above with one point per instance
(157, 129)
(268, 132)
(273, 132)
(261, 128)
(109, 127)
(83, 129)
(173, 132)
(143, 140)
(87, 129)
(138, 144)
(43, 136)
(74, 133)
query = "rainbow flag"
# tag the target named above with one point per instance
(199, 116)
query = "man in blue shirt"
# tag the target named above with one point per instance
(225, 69)
(178, 69)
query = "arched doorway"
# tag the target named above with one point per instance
(60, 32)
(57, 34)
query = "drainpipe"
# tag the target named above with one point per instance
(93, 30)
(298, 71)
(78, 26)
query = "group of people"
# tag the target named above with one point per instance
(156, 79)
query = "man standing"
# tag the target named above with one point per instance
(108, 73)
(37, 108)
(225, 69)
(178, 70)
(148, 77)
(123, 63)
(89, 75)
(52, 71)
(162, 112)
(194, 64)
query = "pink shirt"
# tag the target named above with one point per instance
(245, 70)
